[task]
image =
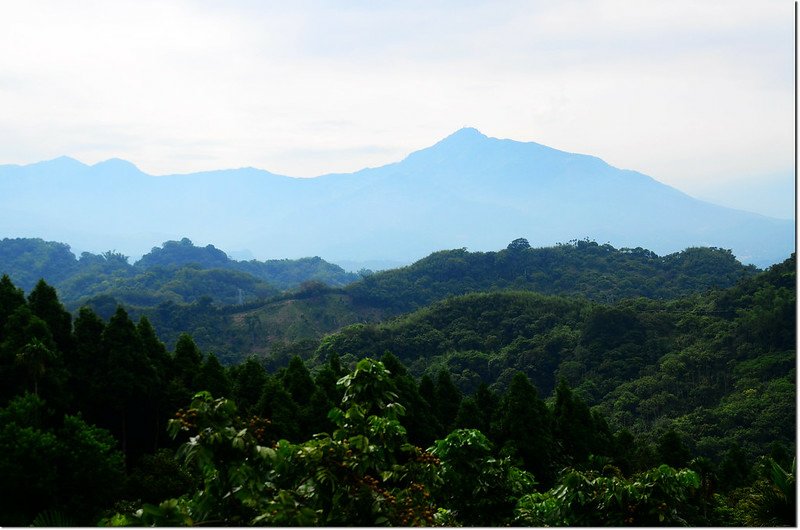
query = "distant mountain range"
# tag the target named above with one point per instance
(468, 190)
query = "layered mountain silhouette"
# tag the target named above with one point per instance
(467, 190)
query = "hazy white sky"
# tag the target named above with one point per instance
(695, 93)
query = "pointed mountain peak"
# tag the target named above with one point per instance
(465, 136)
(466, 133)
(462, 144)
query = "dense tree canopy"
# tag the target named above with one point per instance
(503, 408)
(178, 271)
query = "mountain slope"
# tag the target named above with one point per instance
(178, 272)
(468, 190)
(584, 269)
(706, 361)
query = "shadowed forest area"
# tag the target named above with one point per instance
(507, 388)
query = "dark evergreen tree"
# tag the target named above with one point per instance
(44, 303)
(213, 377)
(248, 384)
(31, 361)
(155, 350)
(23, 326)
(601, 439)
(129, 385)
(468, 415)
(644, 456)
(297, 381)
(734, 468)
(335, 365)
(420, 422)
(448, 400)
(278, 406)
(573, 426)
(316, 412)
(486, 402)
(88, 364)
(525, 428)
(478, 410)
(672, 451)
(622, 450)
(168, 397)
(35, 359)
(427, 390)
(187, 361)
(326, 380)
(10, 299)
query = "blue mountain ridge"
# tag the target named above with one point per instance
(468, 190)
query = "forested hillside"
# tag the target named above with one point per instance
(581, 268)
(232, 307)
(699, 363)
(178, 272)
(112, 427)
(585, 268)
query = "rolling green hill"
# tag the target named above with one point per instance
(583, 269)
(235, 311)
(178, 272)
(702, 362)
